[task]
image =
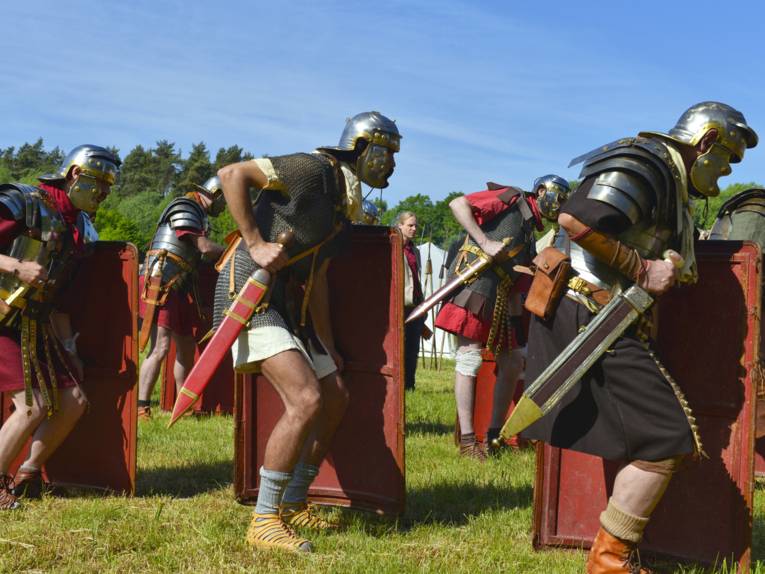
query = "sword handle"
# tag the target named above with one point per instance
(674, 258)
(286, 238)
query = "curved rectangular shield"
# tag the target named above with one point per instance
(365, 467)
(100, 452)
(709, 340)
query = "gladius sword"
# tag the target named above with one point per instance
(236, 318)
(579, 356)
(464, 277)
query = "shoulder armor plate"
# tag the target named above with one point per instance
(16, 197)
(184, 212)
(752, 198)
(634, 175)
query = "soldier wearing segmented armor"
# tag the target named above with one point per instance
(487, 312)
(632, 206)
(169, 304)
(44, 229)
(742, 218)
(289, 340)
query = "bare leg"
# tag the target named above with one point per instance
(638, 491)
(185, 345)
(334, 401)
(293, 378)
(464, 389)
(18, 427)
(509, 368)
(160, 346)
(52, 432)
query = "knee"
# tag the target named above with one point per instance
(33, 415)
(79, 402)
(161, 349)
(308, 403)
(468, 361)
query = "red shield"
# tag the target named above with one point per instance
(101, 450)
(709, 341)
(365, 467)
(219, 394)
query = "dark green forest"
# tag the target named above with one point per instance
(151, 177)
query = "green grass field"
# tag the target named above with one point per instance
(461, 516)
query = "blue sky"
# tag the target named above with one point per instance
(502, 91)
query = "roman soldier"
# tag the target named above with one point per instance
(44, 229)
(629, 222)
(487, 311)
(169, 304)
(313, 196)
(742, 218)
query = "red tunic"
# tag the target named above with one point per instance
(11, 369)
(452, 318)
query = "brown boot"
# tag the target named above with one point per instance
(8, 500)
(29, 484)
(144, 413)
(610, 555)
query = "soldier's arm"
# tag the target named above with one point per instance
(463, 213)
(318, 305)
(10, 227)
(62, 327)
(236, 180)
(603, 207)
(209, 249)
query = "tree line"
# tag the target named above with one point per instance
(151, 177)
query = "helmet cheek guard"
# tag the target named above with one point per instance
(556, 192)
(96, 165)
(734, 137)
(213, 189)
(375, 165)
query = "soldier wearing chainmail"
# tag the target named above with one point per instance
(289, 340)
(169, 305)
(487, 312)
(631, 207)
(44, 229)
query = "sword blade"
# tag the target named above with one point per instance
(442, 293)
(235, 320)
(577, 358)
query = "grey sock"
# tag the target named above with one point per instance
(302, 477)
(272, 485)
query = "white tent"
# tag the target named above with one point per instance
(432, 277)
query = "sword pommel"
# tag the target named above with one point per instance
(286, 238)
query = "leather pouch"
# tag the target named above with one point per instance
(551, 272)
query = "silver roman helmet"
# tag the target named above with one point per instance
(734, 136)
(96, 164)
(213, 189)
(551, 191)
(375, 164)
